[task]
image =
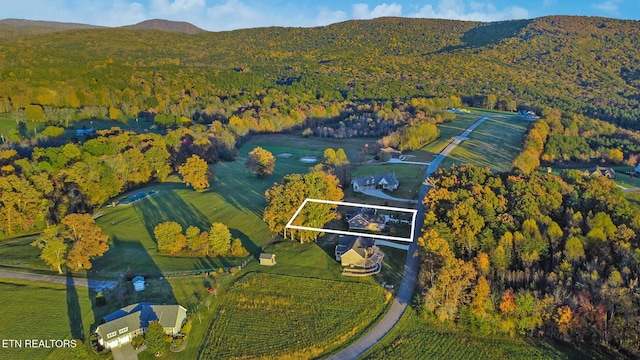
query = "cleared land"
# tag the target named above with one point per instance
(34, 310)
(449, 130)
(414, 338)
(494, 144)
(267, 315)
(409, 176)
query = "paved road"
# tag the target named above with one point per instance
(398, 161)
(61, 279)
(408, 284)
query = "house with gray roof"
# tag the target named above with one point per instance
(601, 171)
(376, 181)
(123, 325)
(367, 219)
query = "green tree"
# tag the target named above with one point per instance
(166, 234)
(154, 337)
(195, 173)
(219, 239)
(260, 162)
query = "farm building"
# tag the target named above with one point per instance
(138, 283)
(367, 219)
(359, 255)
(125, 324)
(601, 171)
(377, 181)
(267, 259)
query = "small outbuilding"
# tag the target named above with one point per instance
(267, 259)
(138, 283)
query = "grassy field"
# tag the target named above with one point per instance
(449, 130)
(409, 176)
(413, 338)
(276, 316)
(494, 144)
(42, 311)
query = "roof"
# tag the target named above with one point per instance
(362, 217)
(358, 244)
(600, 170)
(138, 316)
(266, 256)
(138, 279)
(370, 180)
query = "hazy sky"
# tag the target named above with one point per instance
(235, 14)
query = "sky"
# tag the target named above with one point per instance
(220, 15)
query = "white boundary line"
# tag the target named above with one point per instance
(340, 232)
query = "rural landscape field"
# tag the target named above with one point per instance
(377, 188)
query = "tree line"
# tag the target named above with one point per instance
(532, 254)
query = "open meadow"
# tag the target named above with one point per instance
(42, 311)
(494, 144)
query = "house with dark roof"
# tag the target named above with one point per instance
(123, 325)
(367, 219)
(376, 181)
(601, 171)
(358, 255)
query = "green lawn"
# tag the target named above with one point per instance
(622, 180)
(414, 338)
(449, 130)
(409, 176)
(42, 311)
(288, 317)
(494, 144)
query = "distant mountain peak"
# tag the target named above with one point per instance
(166, 25)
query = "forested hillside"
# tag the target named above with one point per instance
(576, 64)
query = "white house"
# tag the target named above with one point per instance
(125, 324)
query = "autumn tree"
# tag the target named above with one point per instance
(337, 163)
(54, 249)
(237, 249)
(167, 237)
(195, 173)
(219, 239)
(260, 162)
(284, 198)
(86, 238)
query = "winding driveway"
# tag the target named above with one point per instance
(408, 284)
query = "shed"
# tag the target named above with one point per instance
(267, 259)
(138, 283)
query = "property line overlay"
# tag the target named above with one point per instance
(354, 233)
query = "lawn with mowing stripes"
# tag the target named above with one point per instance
(494, 144)
(42, 311)
(449, 130)
(414, 338)
(278, 316)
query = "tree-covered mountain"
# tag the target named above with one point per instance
(577, 64)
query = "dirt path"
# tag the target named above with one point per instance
(52, 279)
(408, 284)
